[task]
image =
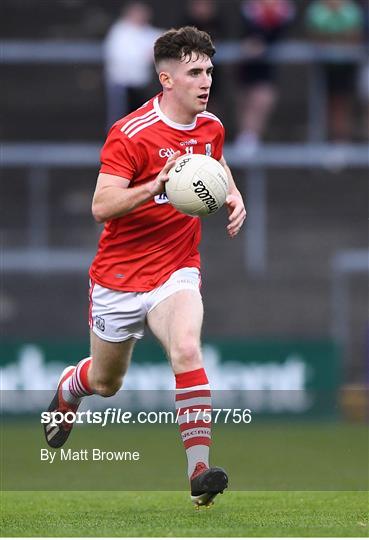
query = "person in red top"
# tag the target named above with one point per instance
(136, 149)
(147, 267)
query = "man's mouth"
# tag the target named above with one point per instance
(203, 97)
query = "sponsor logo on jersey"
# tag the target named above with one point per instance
(166, 152)
(191, 142)
(161, 199)
(208, 149)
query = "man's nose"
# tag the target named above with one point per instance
(206, 82)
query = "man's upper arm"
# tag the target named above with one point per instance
(105, 180)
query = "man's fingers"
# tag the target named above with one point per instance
(171, 161)
(236, 219)
(166, 168)
(235, 213)
(236, 222)
(238, 215)
(176, 154)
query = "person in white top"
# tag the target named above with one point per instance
(128, 60)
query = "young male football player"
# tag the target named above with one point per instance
(147, 267)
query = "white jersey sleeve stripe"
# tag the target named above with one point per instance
(135, 119)
(139, 122)
(143, 126)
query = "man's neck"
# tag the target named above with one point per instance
(175, 112)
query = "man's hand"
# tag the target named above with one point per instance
(157, 186)
(236, 213)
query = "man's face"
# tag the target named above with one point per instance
(190, 82)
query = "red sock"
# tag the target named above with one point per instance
(193, 401)
(76, 386)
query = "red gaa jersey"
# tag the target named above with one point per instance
(139, 251)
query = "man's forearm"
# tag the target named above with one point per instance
(232, 188)
(112, 202)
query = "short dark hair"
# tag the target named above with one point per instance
(177, 43)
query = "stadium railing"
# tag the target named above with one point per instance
(345, 264)
(39, 157)
(288, 52)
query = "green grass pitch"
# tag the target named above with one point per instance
(121, 514)
(286, 479)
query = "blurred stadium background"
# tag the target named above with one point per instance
(286, 302)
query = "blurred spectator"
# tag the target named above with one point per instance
(337, 22)
(204, 14)
(128, 60)
(263, 25)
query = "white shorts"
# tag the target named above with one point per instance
(116, 315)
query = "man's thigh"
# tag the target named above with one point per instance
(110, 360)
(177, 320)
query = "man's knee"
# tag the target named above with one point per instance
(109, 365)
(186, 355)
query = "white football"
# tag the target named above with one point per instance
(197, 185)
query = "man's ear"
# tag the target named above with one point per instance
(165, 79)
